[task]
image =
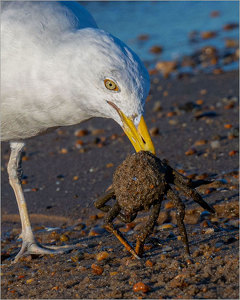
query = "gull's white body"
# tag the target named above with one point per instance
(54, 60)
(54, 63)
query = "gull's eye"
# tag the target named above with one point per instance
(110, 85)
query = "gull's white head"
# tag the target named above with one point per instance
(114, 82)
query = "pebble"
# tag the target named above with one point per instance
(191, 151)
(230, 26)
(208, 35)
(165, 226)
(97, 131)
(215, 144)
(141, 287)
(81, 132)
(228, 126)
(25, 158)
(156, 49)
(154, 131)
(203, 91)
(149, 263)
(200, 142)
(166, 67)
(97, 269)
(157, 106)
(199, 102)
(29, 280)
(109, 165)
(79, 144)
(231, 153)
(171, 114)
(102, 255)
(173, 122)
(189, 261)
(63, 151)
(143, 37)
(215, 13)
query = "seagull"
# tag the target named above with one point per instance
(58, 69)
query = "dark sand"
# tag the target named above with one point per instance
(58, 199)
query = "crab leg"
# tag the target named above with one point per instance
(148, 228)
(195, 196)
(112, 214)
(180, 216)
(100, 203)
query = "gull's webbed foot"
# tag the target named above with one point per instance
(32, 247)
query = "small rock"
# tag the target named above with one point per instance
(102, 255)
(29, 280)
(228, 126)
(230, 26)
(166, 67)
(157, 106)
(215, 13)
(154, 131)
(165, 226)
(81, 132)
(233, 152)
(156, 49)
(200, 142)
(97, 131)
(141, 287)
(208, 34)
(215, 144)
(190, 152)
(143, 37)
(109, 165)
(97, 269)
(231, 43)
(204, 91)
(64, 238)
(149, 263)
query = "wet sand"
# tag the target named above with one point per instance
(194, 123)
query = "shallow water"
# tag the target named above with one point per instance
(168, 24)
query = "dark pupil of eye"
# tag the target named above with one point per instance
(110, 84)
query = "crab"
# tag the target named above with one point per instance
(140, 183)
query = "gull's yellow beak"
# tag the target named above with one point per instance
(139, 137)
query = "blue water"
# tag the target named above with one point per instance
(168, 23)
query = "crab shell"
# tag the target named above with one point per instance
(139, 182)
